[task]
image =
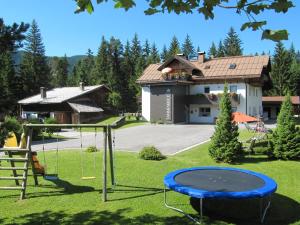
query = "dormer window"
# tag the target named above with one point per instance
(232, 66)
(207, 67)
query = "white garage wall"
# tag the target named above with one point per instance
(146, 98)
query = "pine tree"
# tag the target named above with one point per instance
(164, 54)
(154, 55)
(225, 146)
(61, 72)
(7, 76)
(232, 44)
(198, 49)
(282, 77)
(220, 51)
(187, 47)
(174, 48)
(136, 50)
(213, 51)
(146, 50)
(84, 69)
(101, 68)
(286, 136)
(34, 67)
(128, 92)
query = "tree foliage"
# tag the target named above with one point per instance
(285, 141)
(208, 8)
(174, 48)
(225, 146)
(188, 48)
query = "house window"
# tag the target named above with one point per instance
(232, 66)
(206, 90)
(256, 92)
(205, 112)
(233, 88)
(233, 109)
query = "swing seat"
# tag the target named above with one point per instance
(88, 178)
(51, 177)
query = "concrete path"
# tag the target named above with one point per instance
(169, 139)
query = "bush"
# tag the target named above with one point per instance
(91, 148)
(13, 125)
(151, 153)
(36, 131)
(225, 146)
(51, 130)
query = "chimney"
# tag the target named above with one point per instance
(43, 92)
(201, 57)
(81, 86)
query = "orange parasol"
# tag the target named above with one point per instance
(239, 117)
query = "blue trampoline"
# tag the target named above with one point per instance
(220, 182)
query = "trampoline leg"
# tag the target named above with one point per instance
(181, 211)
(263, 212)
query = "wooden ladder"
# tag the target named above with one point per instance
(23, 156)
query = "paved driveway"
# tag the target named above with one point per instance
(169, 139)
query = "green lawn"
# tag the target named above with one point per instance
(138, 197)
(129, 122)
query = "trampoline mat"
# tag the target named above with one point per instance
(219, 180)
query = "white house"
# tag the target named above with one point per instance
(188, 91)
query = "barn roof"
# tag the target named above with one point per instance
(85, 106)
(59, 95)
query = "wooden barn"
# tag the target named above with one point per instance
(74, 105)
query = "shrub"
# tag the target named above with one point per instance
(91, 148)
(286, 137)
(151, 153)
(13, 125)
(51, 130)
(225, 146)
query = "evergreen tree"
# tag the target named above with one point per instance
(187, 47)
(34, 67)
(146, 50)
(282, 77)
(232, 44)
(154, 55)
(101, 68)
(220, 51)
(198, 49)
(295, 70)
(174, 48)
(61, 72)
(85, 67)
(164, 54)
(73, 79)
(128, 92)
(225, 146)
(213, 51)
(7, 75)
(286, 137)
(136, 50)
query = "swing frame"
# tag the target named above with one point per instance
(107, 145)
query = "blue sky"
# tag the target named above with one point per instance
(64, 32)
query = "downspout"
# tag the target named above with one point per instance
(246, 98)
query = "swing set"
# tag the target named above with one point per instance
(42, 170)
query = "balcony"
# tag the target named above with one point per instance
(212, 99)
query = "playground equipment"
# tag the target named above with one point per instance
(26, 156)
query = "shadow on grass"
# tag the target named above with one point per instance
(140, 192)
(283, 210)
(61, 187)
(117, 217)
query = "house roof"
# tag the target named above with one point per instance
(278, 99)
(216, 68)
(59, 95)
(85, 106)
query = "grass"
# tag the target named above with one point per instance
(138, 197)
(129, 122)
